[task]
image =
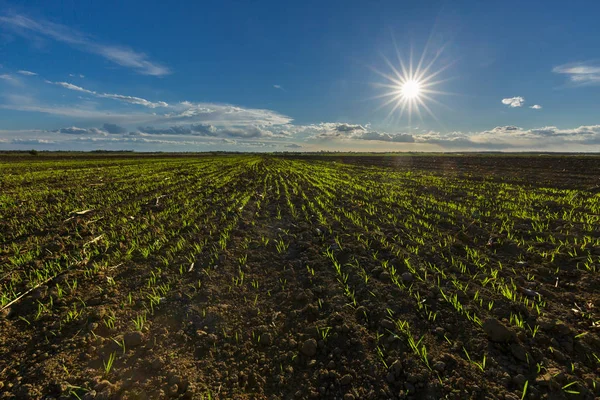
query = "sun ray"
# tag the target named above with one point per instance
(411, 83)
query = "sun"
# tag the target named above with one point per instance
(411, 89)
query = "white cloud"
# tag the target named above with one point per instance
(120, 55)
(105, 130)
(31, 141)
(75, 131)
(278, 87)
(224, 114)
(76, 75)
(508, 138)
(347, 132)
(536, 107)
(240, 132)
(386, 137)
(580, 74)
(120, 97)
(26, 73)
(70, 86)
(514, 101)
(133, 100)
(11, 79)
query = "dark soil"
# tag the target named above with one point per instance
(252, 320)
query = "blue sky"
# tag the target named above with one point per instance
(272, 76)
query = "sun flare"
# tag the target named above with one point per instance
(411, 89)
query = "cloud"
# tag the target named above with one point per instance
(332, 130)
(70, 86)
(120, 55)
(133, 100)
(536, 107)
(258, 144)
(241, 132)
(504, 129)
(580, 74)
(514, 101)
(202, 114)
(386, 137)
(209, 113)
(120, 97)
(245, 132)
(206, 130)
(27, 73)
(224, 114)
(344, 131)
(508, 138)
(80, 131)
(10, 79)
(113, 128)
(279, 87)
(76, 75)
(31, 141)
(172, 130)
(349, 128)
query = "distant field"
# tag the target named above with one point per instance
(299, 276)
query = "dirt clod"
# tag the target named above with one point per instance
(387, 324)
(497, 332)
(133, 339)
(309, 348)
(346, 379)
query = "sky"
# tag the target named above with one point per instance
(300, 76)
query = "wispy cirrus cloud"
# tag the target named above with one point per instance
(11, 79)
(120, 55)
(513, 102)
(185, 111)
(580, 74)
(26, 73)
(227, 116)
(120, 97)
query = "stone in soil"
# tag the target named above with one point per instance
(346, 380)
(133, 339)
(266, 339)
(519, 352)
(387, 324)
(497, 332)
(309, 348)
(439, 366)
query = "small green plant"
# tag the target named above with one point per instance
(324, 332)
(109, 363)
(139, 321)
(524, 390)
